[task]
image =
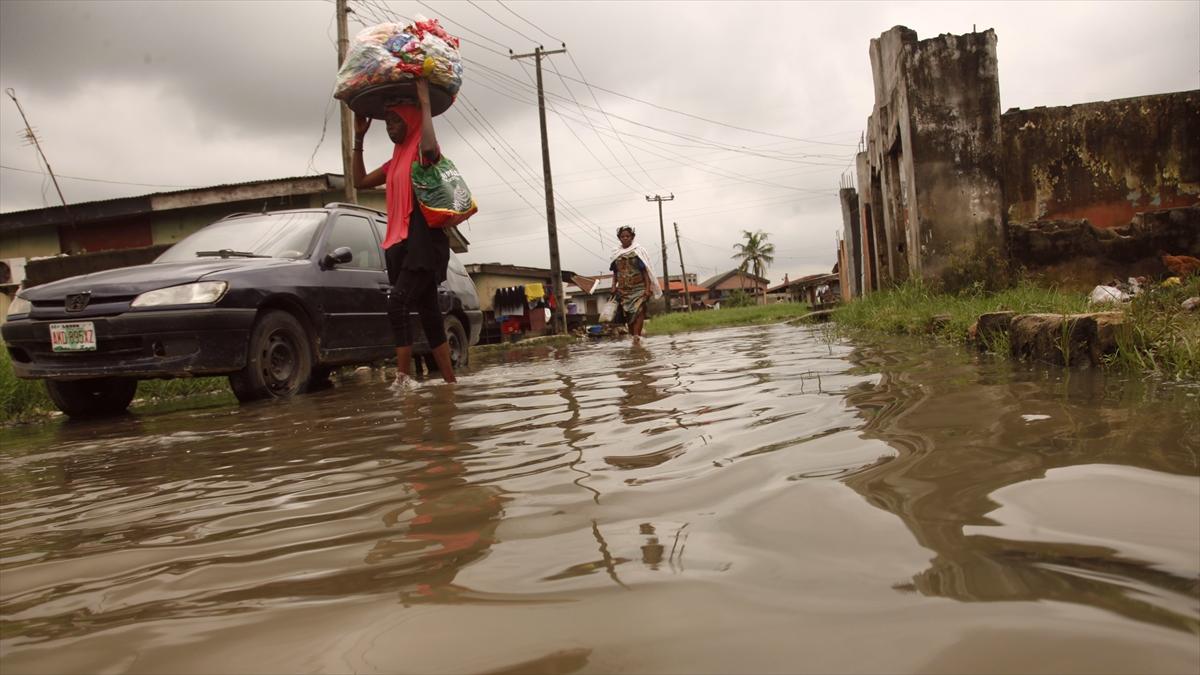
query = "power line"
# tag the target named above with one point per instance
(712, 121)
(485, 12)
(477, 130)
(462, 26)
(96, 180)
(597, 132)
(489, 164)
(569, 209)
(617, 93)
(697, 139)
(510, 11)
(585, 145)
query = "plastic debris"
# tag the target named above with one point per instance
(1191, 304)
(1107, 294)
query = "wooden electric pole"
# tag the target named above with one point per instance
(343, 45)
(558, 317)
(663, 236)
(687, 293)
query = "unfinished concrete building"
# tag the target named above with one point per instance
(948, 188)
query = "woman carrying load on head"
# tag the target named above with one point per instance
(416, 254)
(633, 280)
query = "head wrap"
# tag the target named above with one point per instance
(626, 227)
(399, 175)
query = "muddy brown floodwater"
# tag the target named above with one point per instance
(736, 501)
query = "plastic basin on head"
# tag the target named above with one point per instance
(374, 101)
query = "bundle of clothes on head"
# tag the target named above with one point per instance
(392, 53)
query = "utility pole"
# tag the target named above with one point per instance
(687, 293)
(559, 319)
(343, 45)
(32, 137)
(663, 235)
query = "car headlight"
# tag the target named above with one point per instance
(19, 305)
(199, 293)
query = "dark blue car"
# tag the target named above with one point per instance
(273, 300)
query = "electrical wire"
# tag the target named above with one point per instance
(499, 77)
(555, 110)
(535, 26)
(488, 15)
(97, 180)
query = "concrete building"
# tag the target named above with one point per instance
(490, 277)
(949, 189)
(723, 285)
(589, 293)
(697, 294)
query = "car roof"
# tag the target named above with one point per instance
(340, 206)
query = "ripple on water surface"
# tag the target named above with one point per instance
(751, 499)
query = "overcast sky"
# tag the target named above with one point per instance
(154, 96)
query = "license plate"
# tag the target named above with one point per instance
(73, 337)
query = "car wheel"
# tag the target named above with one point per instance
(92, 398)
(279, 360)
(456, 337)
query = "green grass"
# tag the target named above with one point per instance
(26, 400)
(679, 322)
(910, 308)
(1162, 337)
(20, 400)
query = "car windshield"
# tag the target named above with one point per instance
(270, 235)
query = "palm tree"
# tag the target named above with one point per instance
(755, 254)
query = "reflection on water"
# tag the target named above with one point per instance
(740, 500)
(965, 432)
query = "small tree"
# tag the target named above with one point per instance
(755, 254)
(738, 298)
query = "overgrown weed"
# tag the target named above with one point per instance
(1159, 336)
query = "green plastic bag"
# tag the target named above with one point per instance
(442, 193)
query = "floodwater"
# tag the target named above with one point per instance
(745, 500)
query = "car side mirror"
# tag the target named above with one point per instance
(340, 256)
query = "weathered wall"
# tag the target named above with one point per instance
(930, 180)
(946, 184)
(30, 243)
(1102, 161)
(852, 241)
(889, 150)
(486, 285)
(869, 213)
(954, 113)
(1075, 253)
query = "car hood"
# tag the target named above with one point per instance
(142, 278)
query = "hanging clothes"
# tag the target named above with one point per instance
(509, 301)
(534, 292)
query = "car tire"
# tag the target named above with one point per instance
(456, 338)
(92, 398)
(278, 361)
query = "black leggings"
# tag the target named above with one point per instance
(415, 290)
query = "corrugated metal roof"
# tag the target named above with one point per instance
(123, 206)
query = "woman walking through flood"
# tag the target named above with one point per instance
(416, 254)
(633, 280)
